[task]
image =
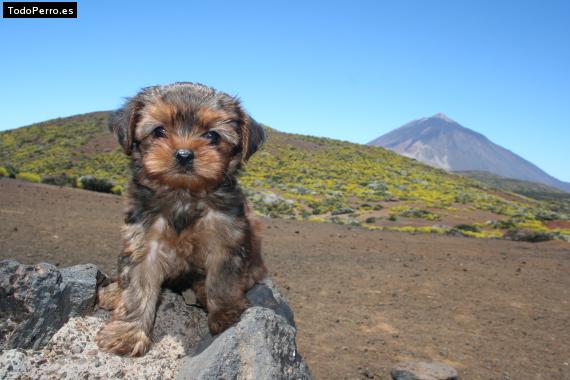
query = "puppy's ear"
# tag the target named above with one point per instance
(122, 123)
(253, 137)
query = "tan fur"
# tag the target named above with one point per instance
(183, 220)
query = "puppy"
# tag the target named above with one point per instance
(187, 217)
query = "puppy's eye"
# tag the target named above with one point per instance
(212, 136)
(159, 132)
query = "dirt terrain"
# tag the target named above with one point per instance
(363, 300)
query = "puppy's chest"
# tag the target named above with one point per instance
(193, 229)
(181, 216)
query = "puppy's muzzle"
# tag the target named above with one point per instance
(184, 157)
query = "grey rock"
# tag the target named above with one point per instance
(36, 300)
(44, 307)
(423, 371)
(72, 352)
(81, 283)
(269, 198)
(265, 294)
(189, 297)
(260, 346)
(30, 301)
(12, 363)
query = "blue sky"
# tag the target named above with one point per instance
(351, 70)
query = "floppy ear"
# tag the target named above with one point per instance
(253, 137)
(122, 123)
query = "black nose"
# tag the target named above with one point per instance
(184, 156)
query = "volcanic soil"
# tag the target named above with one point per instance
(363, 300)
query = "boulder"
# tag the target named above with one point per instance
(261, 345)
(44, 307)
(265, 294)
(72, 353)
(36, 300)
(81, 284)
(424, 371)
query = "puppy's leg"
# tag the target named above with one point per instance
(109, 296)
(141, 278)
(257, 270)
(129, 331)
(226, 283)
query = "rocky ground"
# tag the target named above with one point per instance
(363, 300)
(49, 320)
(73, 354)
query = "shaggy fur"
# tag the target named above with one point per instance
(187, 218)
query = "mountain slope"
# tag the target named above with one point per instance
(294, 176)
(442, 142)
(529, 189)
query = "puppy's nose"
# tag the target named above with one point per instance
(184, 156)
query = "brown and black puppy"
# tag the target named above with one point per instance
(186, 212)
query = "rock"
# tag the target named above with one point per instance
(260, 346)
(269, 198)
(265, 294)
(72, 353)
(424, 371)
(81, 283)
(366, 373)
(35, 301)
(30, 303)
(41, 306)
(378, 185)
(13, 362)
(189, 297)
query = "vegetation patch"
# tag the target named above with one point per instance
(293, 176)
(30, 177)
(414, 213)
(519, 234)
(92, 183)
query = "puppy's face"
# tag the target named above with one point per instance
(186, 135)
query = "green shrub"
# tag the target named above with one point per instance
(518, 234)
(370, 220)
(92, 183)
(117, 189)
(4, 172)
(59, 180)
(463, 198)
(336, 220)
(30, 177)
(547, 215)
(418, 213)
(341, 211)
(468, 227)
(12, 171)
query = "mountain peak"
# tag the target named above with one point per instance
(442, 116)
(442, 142)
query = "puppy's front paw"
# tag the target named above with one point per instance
(221, 320)
(123, 338)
